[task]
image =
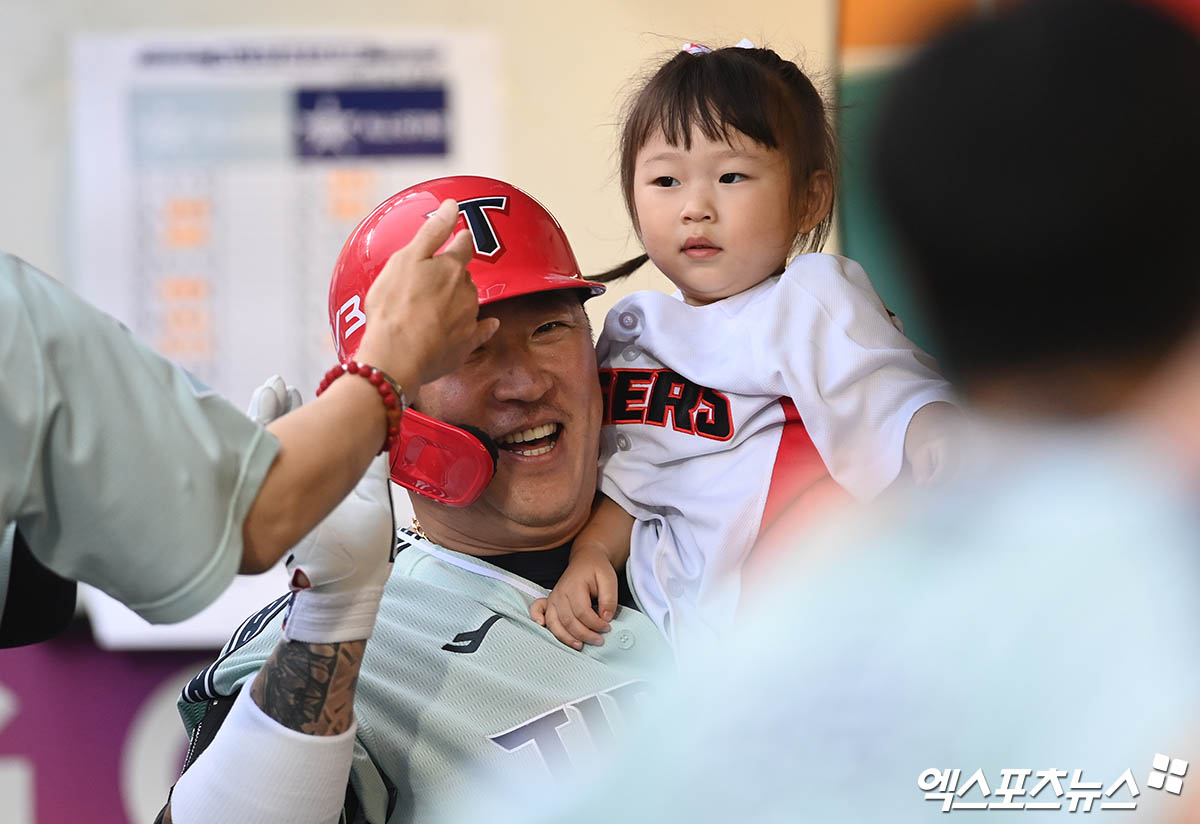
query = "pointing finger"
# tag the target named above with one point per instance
(462, 248)
(434, 231)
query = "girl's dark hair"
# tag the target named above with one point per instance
(753, 91)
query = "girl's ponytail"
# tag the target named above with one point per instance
(620, 270)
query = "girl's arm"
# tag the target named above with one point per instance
(929, 442)
(597, 553)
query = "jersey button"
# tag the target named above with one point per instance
(631, 353)
(628, 321)
(623, 442)
(625, 639)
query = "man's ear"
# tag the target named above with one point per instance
(818, 200)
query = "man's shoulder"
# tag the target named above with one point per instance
(422, 563)
(242, 656)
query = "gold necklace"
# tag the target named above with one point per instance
(416, 527)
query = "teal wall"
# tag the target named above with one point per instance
(865, 236)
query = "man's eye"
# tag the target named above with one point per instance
(665, 181)
(551, 326)
(732, 177)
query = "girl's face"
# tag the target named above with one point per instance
(715, 219)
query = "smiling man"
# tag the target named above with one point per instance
(459, 686)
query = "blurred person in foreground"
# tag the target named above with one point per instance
(1039, 614)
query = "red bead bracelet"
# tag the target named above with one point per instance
(389, 392)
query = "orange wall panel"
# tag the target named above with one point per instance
(870, 23)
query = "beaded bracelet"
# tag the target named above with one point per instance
(389, 391)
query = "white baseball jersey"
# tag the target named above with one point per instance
(459, 687)
(710, 407)
(117, 468)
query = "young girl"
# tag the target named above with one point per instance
(758, 378)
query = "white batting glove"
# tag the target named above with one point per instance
(272, 400)
(338, 570)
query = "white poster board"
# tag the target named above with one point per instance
(217, 176)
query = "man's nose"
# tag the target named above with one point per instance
(522, 378)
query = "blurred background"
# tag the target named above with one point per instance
(193, 168)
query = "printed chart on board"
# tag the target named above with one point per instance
(217, 177)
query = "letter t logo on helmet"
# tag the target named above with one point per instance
(519, 249)
(487, 243)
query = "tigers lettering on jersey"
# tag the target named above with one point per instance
(652, 396)
(551, 734)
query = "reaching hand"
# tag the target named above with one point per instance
(424, 307)
(567, 611)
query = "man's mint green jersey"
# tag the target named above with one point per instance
(460, 688)
(116, 468)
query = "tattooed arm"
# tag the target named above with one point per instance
(310, 687)
(284, 752)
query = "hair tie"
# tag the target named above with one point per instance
(700, 48)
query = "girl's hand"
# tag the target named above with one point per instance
(567, 611)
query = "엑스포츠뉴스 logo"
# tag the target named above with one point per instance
(1080, 795)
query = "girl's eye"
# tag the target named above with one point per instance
(732, 177)
(664, 181)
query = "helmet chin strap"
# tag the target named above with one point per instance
(445, 463)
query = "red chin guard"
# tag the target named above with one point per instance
(448, 464)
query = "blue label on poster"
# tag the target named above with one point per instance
(370, 122)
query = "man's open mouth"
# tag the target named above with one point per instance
(529, 443)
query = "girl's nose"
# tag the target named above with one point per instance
(698, 208)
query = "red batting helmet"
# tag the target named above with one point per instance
(519, 247)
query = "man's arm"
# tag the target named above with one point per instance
(422, 315)
(310, 687)
(303, 687)
(283, 753)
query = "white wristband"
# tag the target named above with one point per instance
(317, 617)
(258, 770)
(338, 570)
